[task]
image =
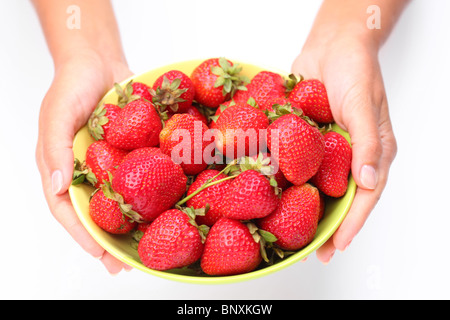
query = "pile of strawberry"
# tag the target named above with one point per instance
(223, 217)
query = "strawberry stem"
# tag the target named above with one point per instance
(210, 182)
(207, 184)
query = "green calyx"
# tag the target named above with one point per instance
(228, 77)
(82, 174)
(268, 248)
(96, 122)
(192, 214)
(292, 81)
(126, 209)
(260, 164)
(168, 94)
(281, 110)
(264, 238)
(125, 95)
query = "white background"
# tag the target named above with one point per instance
(401, 253)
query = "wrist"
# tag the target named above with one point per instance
(347, 36)
(81, 50)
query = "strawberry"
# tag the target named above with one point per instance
(216, 80)
(142, 90)
(150, 183)
(282, 182)
(102, 158)
(311, 96)
(101, 119)
(266, 86)
(230, 249)
(171, 241)
(173, 91)
(182, 140)
(294, 222)
(195, 112)
(211, 196)
(133, 91)
(136, 153)
(219, 111)
(241, 131)
(332, 176)
(138, 125)
(297, 146)
(322, 206)
(107, 213)
(249, 196)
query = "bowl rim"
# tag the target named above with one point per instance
(205, 279)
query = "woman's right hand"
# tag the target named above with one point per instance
(78, 85)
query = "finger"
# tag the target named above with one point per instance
(326, 251)
(365, 200)
(113, 265)
(63, 211)
(56, 135)
(362, 122)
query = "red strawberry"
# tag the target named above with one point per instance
(151, 184)
(193, 111)
(136, 153)
(183, 140)
(249, 196)
(142, 90)
(294, 222)
(171, 241)
(133, 91)
(102, 158)
(211, 196)
(311, 96)
(107, 214)
(138, 125)
(216, 80)
(266, 86)
(297, 146)
(241, 96)
(332, 177)
(241, 131)
(219, 111)
(278, 175)
(101, 119)
(322, 206)
(230, 249)
(173, 91)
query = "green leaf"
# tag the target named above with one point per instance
(227, 86)
(219, 82)
(217, 71)
(78, 180)
(224, 64)
(175, 84)
(268, 236)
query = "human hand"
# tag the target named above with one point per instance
(79, 83)
(350, 71)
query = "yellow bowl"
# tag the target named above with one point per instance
(122, 247)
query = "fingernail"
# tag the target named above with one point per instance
(127, 268)
(57, 182)
(98, 257)
(329, 259)
(368, 177)
(346, 247)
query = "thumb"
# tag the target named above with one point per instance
(362, 125)
(57, 130)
